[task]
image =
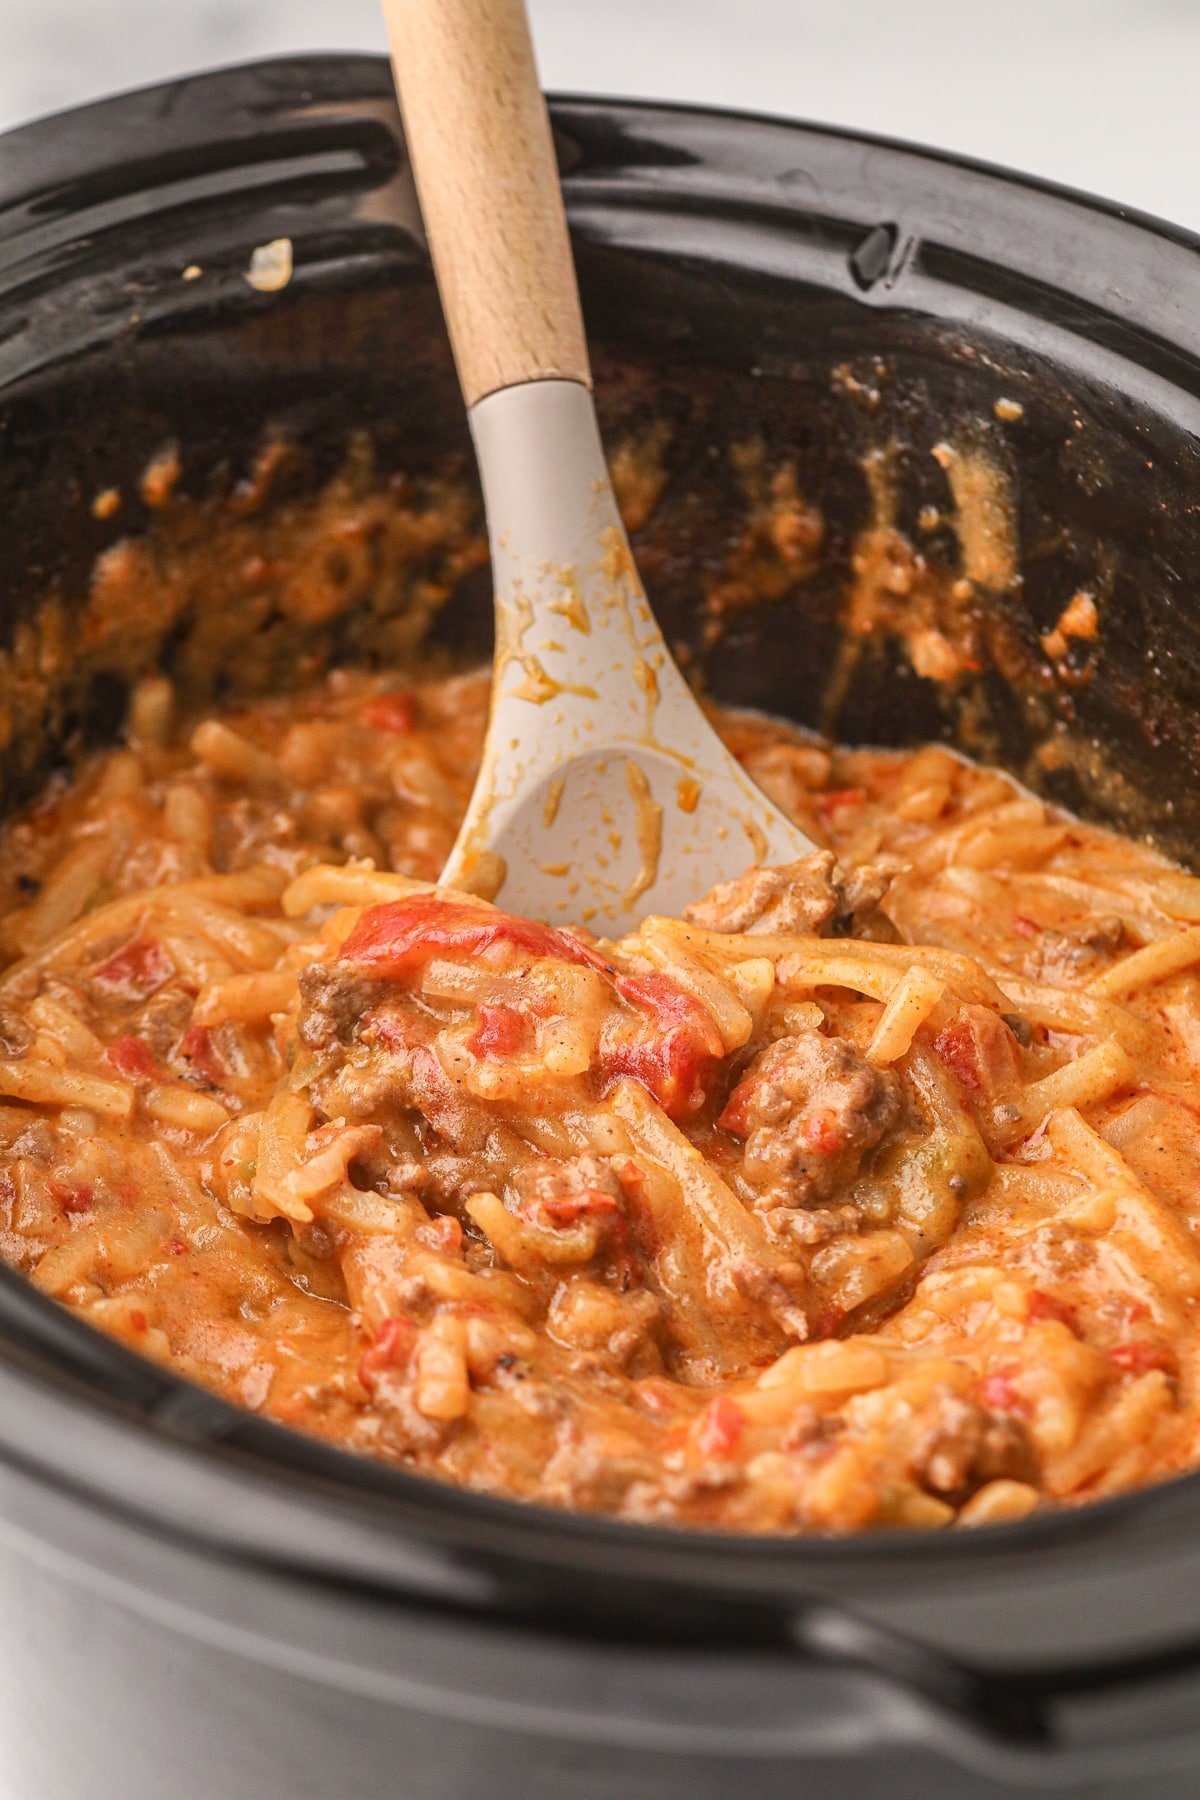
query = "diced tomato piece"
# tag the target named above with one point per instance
(292, 1407)
(821, 1134)
(444, 1232)
(392, 1348)
(638, 1216)
(394, 1030)
(1138, 1358)
(1045, 1306)
(501, 1031)
(1000, 1393)
(177, 1246)
(72, 1196)
(565, 1209)
(198, 1049)
(721, 1427)
(979, 1050)
(673, 1063)
(391, 712)
(631, 1177)
(733, 1119)
(837, 799)
(135, 972)
(829, 1320)
(129, 1056)
(609, 1217)
(137, 1320)
(956, 1046)
(398, 938)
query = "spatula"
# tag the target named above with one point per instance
(604, 793)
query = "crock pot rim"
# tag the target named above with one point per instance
(565, 104)
(42, 1344)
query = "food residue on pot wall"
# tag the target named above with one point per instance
(161, 475)
(271, 266)
(778, 547)
(362, 568)
(983, 515)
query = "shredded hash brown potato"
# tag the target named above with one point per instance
(865, 1195)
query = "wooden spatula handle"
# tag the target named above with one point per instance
(479, 139)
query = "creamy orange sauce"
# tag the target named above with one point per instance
(865, 1196)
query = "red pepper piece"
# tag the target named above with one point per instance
(392, 1348)
(821, 1132)
(609, 1215)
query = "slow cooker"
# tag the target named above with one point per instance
(197, 1601)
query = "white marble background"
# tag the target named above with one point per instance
(1101, 94)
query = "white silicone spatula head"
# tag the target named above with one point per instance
(604, 793)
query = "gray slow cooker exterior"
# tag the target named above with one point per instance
(195, 1601)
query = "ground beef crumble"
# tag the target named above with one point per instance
(964, 1445)
(813, 896)
(809, 1108)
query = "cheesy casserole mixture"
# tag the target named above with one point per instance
(864, 1195)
